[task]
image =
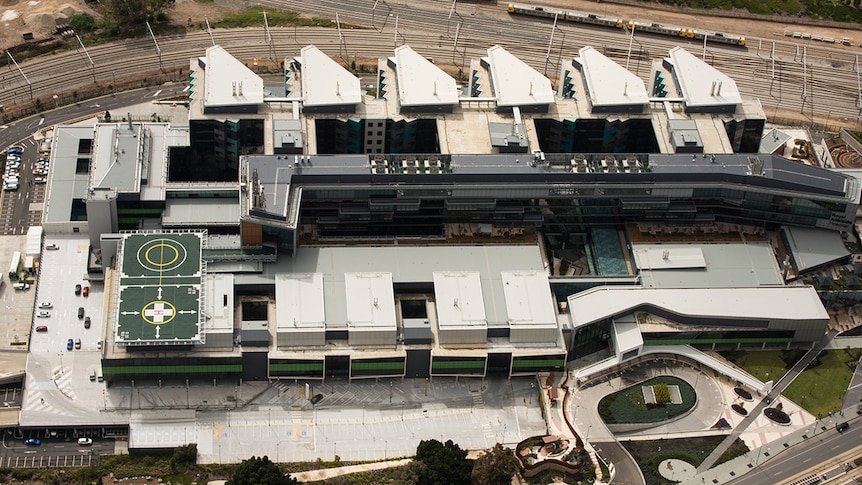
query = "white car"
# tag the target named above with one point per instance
(46, 304)
(85, 441)
(43, 314)
(40, 180)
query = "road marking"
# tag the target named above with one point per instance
(41, 120)
(185, 89)
(157, 93)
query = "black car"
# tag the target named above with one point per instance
(316, 399)
(77, 289)
(842, 427)
(87, 322)
(80, 312)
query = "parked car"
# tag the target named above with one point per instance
(32, 442)
(80, 312)
(842, 427)
(40, 180)
(43, 314)
(316, 399)
(70, 344)
(85, 441)
(46, 304)
(77, 343)
(86, 291)
(87, 322)
(42, 328)
(52, 247)
(77, 289)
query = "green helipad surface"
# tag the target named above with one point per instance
(160, 285)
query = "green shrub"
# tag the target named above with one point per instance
(661, 392)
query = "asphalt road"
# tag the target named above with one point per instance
(626, 469)
(54, 451)
(15, 214)
(808, 455)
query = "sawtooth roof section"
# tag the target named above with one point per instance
(229, 82)
(516, 83)
(701, 84)
(420, 82)
(325, 82)
(608, 83)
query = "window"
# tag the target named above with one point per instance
(379, 133)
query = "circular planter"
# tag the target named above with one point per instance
(742, 393)
(739, 410)
(777, 416)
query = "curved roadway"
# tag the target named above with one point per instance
(804, 80)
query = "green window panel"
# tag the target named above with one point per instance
(767, 340)
(550, 362)
(454, 364)
(377, 365)
(298, 367)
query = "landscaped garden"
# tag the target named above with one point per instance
(765, 365)
(651, 401)
(821, 387)
(650, 454)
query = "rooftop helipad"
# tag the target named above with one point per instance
(159, 289)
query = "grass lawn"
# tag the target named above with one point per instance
(650, 454)
(765, 365)
(628, 406)
(821, 387)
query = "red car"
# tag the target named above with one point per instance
(86, 291)
(42, 328)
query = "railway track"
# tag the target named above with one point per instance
(815, 81)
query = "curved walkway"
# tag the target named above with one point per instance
(327, 473)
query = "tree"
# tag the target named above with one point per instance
(445, 464)
(134, 12)
(82, 23)
(259, 471)
(497, 466)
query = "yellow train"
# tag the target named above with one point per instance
(638, 25)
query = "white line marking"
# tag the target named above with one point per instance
(157, 93)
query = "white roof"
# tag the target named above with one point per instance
(516, 83)
(420, 82)
(789, 303)
(229, 82)
(370, 300)
(325, 82)
(528, 298)
(729, 265)
(299, 301)
(219, 302)
(670, 257)
(608, 83)
(627, 336)
(459, 299)
(34, 241)
(200, 212)
(702, 84)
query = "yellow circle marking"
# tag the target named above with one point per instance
(158, 312)
(161, 253)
